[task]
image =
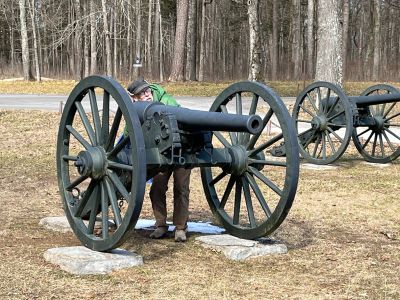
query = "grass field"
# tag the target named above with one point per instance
(64, 87)
(343, 235)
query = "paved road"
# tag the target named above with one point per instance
(53, 102)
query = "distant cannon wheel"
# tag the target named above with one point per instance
(324, 122)
(252, 196)
(379, 143)
(99, 206)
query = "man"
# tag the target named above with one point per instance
(141, 90)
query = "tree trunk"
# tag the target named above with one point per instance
(78, 41)
(180, 39)
(377, 40)
(329, 44)
(191, 38)
(138, 40)
(33, 13)
(156, 40)
(275, 41)
(115, 39)
(86, 40)
(107, 37)
(148, 48)
(296, 44)
(255, 46)
(24, 42)
(202, 40)
(93, 38)
(310, 39)
(346, 15)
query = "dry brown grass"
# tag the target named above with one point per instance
(343, 233)
(194, 88)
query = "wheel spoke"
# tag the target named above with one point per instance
(389, 142)
(233, 136)
(93, 212)
(381, 144)
(394, 116)
(77, 181)
(307, 111)
(254, 104)
(389, 109)
(323, 145)
(115, 165)
(333, 106)
(259, 194)
(118, 184)
(255, 137)
(78, 136)
(367, 141)
(96, 116)
(267, 162)
(118, 147)
(106, 116)
(88, 193)
(86, 122)
(104, 211)
(312, 103)
(303, 121)
(374, 144)
(316, 146)
(238, 197)
(265, 145)
(362, 132)
(392, 133)
(239, 104)
(249, 204)
(335, 115)
(114, 202)
(264, 179)
(221, 138)
(319, 98)
(114, 130)
(310, 139)
(331, 144)
(335, 134)
(328, 95)
(218, 178)
(227, 192)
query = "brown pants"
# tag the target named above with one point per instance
(181, 197)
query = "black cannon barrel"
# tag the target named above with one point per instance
(195, 120)
(363, 101)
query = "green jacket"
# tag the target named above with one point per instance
(160, 95)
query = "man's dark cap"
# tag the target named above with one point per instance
(137, 86)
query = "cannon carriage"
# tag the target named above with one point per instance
(108, 147)
(326, 119)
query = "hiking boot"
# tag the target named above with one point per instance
(180, 235)
(159, 232)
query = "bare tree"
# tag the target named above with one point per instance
(296, 43)
(24, 41)
(202, 39)
(255, 45)
(180, 39)
(138, 38)
(107, 37)
(93, 38)
(310, 38)
(78, 41)
(377, 40)
(329, 43)
(346, 15)
(33, 13)
(191, 39)
(275, 44)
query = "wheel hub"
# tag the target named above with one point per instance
(379, 123)
(92, 162)
(320, 123)
(239, 160)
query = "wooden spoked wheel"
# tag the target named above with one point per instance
(324, 122)
(379, 143)
(252, 196)
(101, 208)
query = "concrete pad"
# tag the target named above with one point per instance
(310, 166)
(83, 261)
(61, 224)
(376, 165)
(240, 249)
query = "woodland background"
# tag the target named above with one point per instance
(200, 40)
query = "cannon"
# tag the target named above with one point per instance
(108, 147)
(326, 119)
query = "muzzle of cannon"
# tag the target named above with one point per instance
(326, 119)
(108, 147)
